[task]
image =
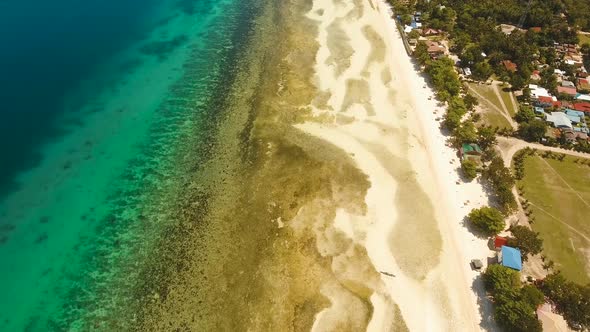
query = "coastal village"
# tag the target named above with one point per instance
(517, 101)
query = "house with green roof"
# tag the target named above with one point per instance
(471, 151)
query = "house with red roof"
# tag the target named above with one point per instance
(546, 101)
(435, 49)
(500, 241)
(431, 32)
(510, 66)
(582, 107)
(567, 90)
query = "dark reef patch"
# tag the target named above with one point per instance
(161, 49)
(41, 238)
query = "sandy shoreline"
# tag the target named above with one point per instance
(384, 119)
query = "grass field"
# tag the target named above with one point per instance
(559, 193)
(584, 39)
(492, 118)
(491, 103)
(506, 98)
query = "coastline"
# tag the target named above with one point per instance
(300, 196)
(432, 280)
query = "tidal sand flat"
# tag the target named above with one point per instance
(286, 175)
(379, 114)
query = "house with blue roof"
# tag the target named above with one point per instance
(510, 257)
(573, 118)
(560, 120)
(539, 111)
(574, 112)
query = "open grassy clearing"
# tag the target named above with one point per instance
(584, 39)
(487, 92)
(559, 193)
(491, 118)
(507, 101)
(489, 101)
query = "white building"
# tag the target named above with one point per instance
(537, 91)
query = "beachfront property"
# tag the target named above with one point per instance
(435, 49)
(472, 152)
(510, 257)
(496, 243)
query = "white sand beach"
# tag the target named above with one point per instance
(383, 116)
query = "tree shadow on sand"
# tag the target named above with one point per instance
(484, 305)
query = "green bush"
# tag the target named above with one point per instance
(487, 219)
(469, 169)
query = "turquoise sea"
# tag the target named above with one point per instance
(95, 96)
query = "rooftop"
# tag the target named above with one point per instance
(546, 99)
(509, 65)
(471, 147)
(500, 241)
(559, 120)
(567, 90)
(537, 91)
(574, 118)
(582, 106)
(511, 258)
(568, 83)
(574, 112)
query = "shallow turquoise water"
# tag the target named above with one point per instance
(72, 214)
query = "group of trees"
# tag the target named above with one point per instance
(449, 89)
(530, 128)
(481, 46)
(571, 300)
(500, 180)
(514, 304)
(525, 239)
(518, 161)
(472, 28)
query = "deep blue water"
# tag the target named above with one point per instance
(46, 49)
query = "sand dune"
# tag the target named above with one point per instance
(384, 120)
